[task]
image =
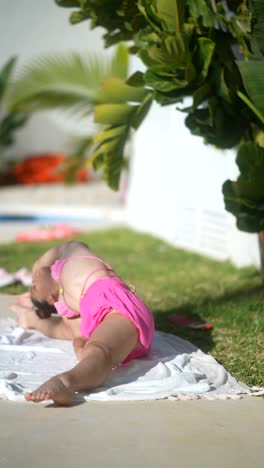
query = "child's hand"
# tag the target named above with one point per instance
(23, 308)
(24, 300)
(26, 317)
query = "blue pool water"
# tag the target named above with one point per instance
(45, 218)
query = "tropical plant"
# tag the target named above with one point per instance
(210, 50)
(76, 85)
(9, 121)
(245, 197)
(68, 82)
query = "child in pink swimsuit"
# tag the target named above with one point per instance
(108, 323)
(103, 296)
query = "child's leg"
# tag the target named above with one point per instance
(109, 345)
(78, 345)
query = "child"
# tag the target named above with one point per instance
(107, 322)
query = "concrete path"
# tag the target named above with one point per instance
(159, 434)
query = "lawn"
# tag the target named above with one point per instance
(175, 281)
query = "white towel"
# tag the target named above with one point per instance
(175, 369)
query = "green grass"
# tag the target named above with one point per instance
(175, 281)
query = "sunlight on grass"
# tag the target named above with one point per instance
(175, 281)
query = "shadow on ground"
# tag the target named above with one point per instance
(202, 338)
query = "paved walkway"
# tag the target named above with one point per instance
(154, 434)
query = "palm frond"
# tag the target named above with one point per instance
(70, 83)
(5, 75)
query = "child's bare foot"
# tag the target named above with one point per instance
(78, 346)
(54, 389)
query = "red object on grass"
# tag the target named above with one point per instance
(188, 322)
(60, 231)
(45, 168)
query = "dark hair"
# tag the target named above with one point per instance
(43, 308)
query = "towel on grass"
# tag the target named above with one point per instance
(175, 369)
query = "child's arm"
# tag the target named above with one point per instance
(47, 259)
(55, 253)
(53, 327)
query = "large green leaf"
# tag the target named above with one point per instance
(142, 111)
(252, 72)
(203, 55)
(250, 104)
(77, 158)
(258, 22)
(115, 114)
(120, 62)
(201, 9)
(137, 79)
(250, 183)
(217, 123)
(115, 90)
(5, 75)
(119, 118)
(113, 164)
(120, 19)
(166, 15)
(109, 134)
(9, 121)
(8, 125)
(232, 18)
(163, 83)
(109, 153)
(201, 94)
(171, 50)
(245, 197)
(68, 3)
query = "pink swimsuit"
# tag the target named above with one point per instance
(104, 295)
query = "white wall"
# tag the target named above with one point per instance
(175, 190)
(30, 28)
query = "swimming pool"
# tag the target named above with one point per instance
(53, 218)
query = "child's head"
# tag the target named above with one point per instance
(43, 308)
(44, 292)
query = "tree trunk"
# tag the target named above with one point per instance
(261, 249)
